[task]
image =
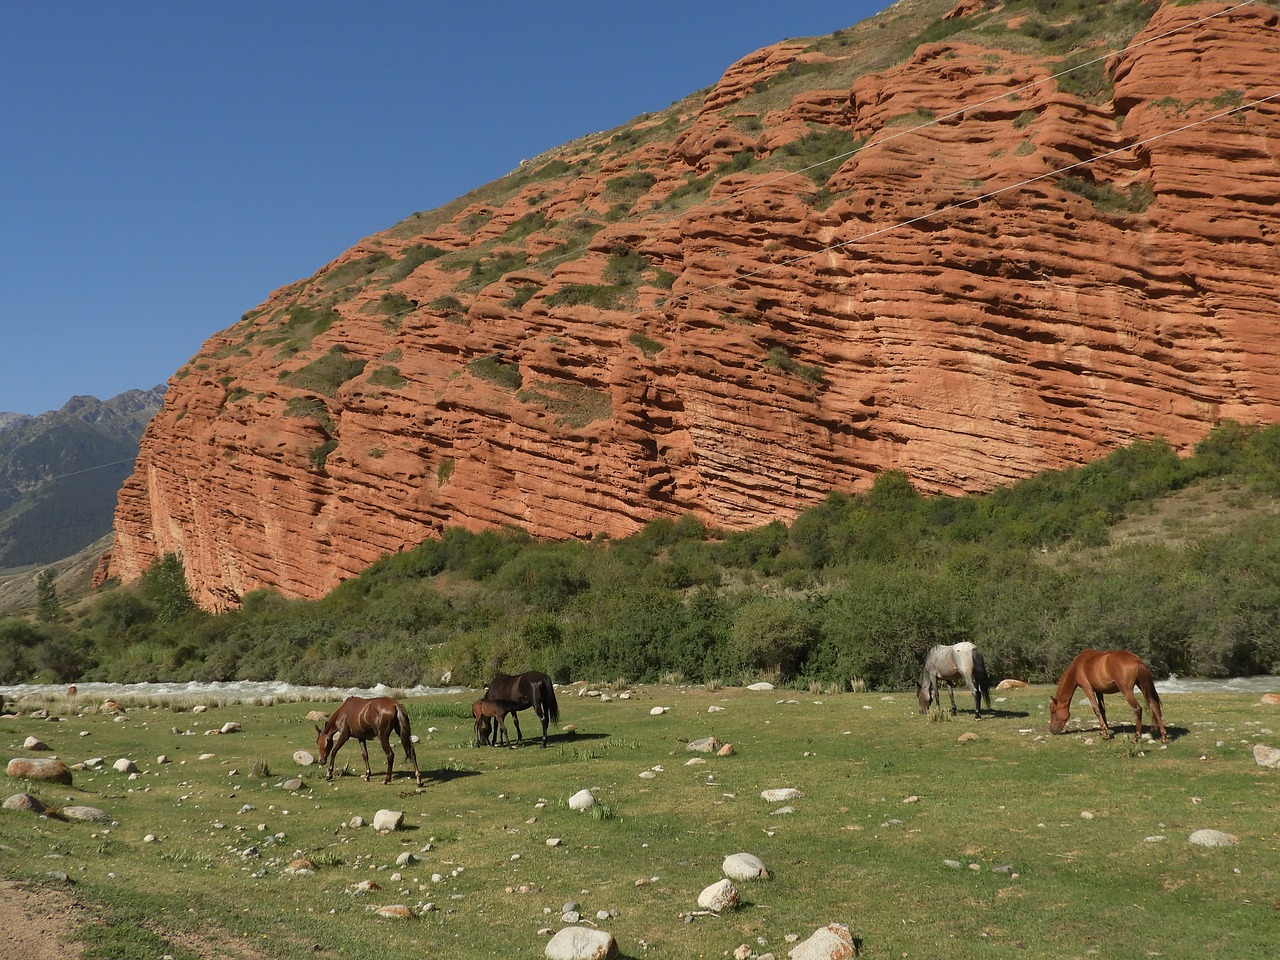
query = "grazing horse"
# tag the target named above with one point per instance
(364, 719)
(532, 689)
(960, 661)
(1109, 671)
(491, 721)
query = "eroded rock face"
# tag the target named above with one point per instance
(943, 308)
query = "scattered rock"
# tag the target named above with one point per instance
(355, 823)
(84, 814)
(581, 943)
(704, 745)
(658, 711)
(124, 765)
(303, 758)
(302, 865)
(316, 716)
(111, 706)
(720, 896)
(1011, 685)
(34, 743)
(1272, 698)
(725, 751)
(364, 886)
(406, 859)
(1266, 756)
(46, 770)
(970, 737)
(230, 727)
(24, 801)
(744, 866)
(832, 942)
(395, 911)
(714, 708)
(293, 784)
(388, 820)
(1213, 838)
(199, 708)
(553, 841)
(781, 794)
(582, 800)
(762, 685)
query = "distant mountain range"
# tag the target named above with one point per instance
(60, 472)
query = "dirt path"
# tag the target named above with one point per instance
(38, 924)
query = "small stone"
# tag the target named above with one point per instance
(725, 751)
(82, 814)
(762, 685)
(1086, 815)
(303, 758)
(582, 800)
(230, 727)
(967, 738)
(658, 711)
(388, 820)
(34, 743)
(395, 911)
(553, 841)
(293, 784)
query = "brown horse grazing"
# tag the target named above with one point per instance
(532, 689)
(491, 721)
(1110, 671)
(364, 719)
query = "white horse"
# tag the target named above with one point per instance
(960, 661)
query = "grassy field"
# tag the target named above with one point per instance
(1011, 845)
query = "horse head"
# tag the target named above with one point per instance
(925, 697)
(1058, 713)
(482, 730)
(324, 740)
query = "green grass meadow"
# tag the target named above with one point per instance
(1052, 835)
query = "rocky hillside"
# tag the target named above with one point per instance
(60, 471)
(970, 244)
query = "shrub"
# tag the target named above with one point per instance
(602, 297)
(327, 373)
(505, 375)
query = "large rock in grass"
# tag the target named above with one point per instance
(388, 820)
(581, 943)
(24, 801)
(85, 814)
(720, 896)
(46, 770)
(832, 942)
(1213, 838)
(744, 866)
(1265, 756)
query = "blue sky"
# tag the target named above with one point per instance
(166, 165)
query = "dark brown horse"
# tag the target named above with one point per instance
(1107, 671)
(364, 719)
(532, 689)
(491, 721)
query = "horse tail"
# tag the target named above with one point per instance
(1147, 684)
(549, 699)
(400, 723)
(982, 678)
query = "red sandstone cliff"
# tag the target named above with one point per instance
(669, 318)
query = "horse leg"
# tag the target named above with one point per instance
(1099, 710)
(1137, 713)
(515, 718)
(545, 716)
(411, 754)
(339, 739)
(364, 752)
(384, 738)
(977, 700)
(951, 691)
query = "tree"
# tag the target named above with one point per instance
(49, 607)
